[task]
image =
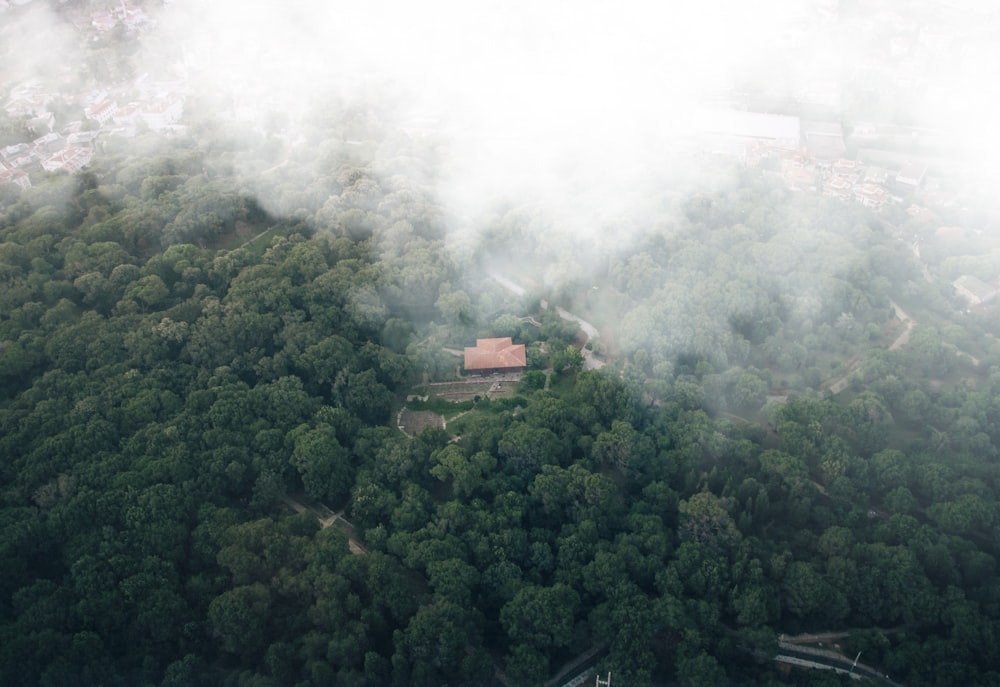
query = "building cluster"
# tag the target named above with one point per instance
(888, 63)
(124, 13)
(813, 155)
(61, 146)
(70, 148)
(870, 185)
(70, 151)
(810, 155)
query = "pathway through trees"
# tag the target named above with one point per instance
(328, 518)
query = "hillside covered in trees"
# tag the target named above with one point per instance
(167, 381)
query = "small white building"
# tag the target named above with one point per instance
(871, 195)
(912, 174)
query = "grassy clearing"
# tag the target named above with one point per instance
(562, 384)
(415, 421)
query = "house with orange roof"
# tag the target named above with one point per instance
(500, 355)
(871, 195)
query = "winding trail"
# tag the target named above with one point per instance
(824, 659)
(589, 330)
(908, 322)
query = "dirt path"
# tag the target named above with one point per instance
(462, 414)
(908, 322)
(830, 637)
(508, 284)
(249, 241)
(973, 359)
(842, 383)
(353, 543)
(590, 331)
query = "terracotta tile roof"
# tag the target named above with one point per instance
(495, 353)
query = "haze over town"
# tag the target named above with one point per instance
(580, 107)
(499, 343)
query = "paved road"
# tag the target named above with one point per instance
(580, 669)
(590, 331)
(818, 658)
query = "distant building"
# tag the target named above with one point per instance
(495, 355)
(871, 195)
(131, 16)
(15, 176)
(779, 131)
(103, 21)
(824, 140)
(127, 114)
(47, 144)
(70, 159)
(845, 166)
(876, 175)
(81, 137)
(864, 129)
(936, 196)
(22, 161)
(912, 174)
(28, 105)
(974, 290)
(825, 93)
(839, 187)
(101, 111)
(42, 124)
(12, 151)
(797, 174)
(163, 113)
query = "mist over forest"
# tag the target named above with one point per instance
(499, 343)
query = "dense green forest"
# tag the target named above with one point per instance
(164, 386)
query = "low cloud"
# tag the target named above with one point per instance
(573, 107)
(578, 110)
